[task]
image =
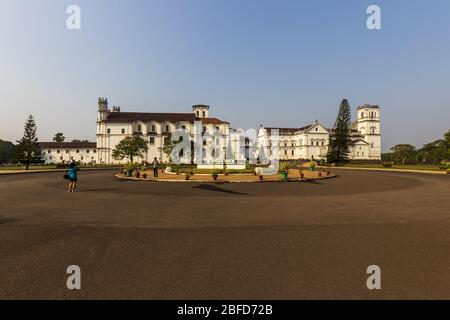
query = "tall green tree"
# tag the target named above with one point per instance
(434, 152)
(447, 140)
(338, 147)
(59, 137)
(28, 149)
(7, 151)
(404, 152)
(130, 148)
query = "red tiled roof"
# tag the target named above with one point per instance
(68, 145)
(211, 120)
(125, 117)
(289, 130)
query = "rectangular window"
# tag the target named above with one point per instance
(152, 140)
(167, 129)
(123, 131)
(108, 131)
(78, 151)
(153, 128)
(183, 127)
(139, 128)
(49, 151)
(95, 151)
(312, 143)
(58, 151)
(67, 151)
(87, 151)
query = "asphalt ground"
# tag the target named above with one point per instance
(298, 240)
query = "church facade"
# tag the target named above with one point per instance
(113, 126)
(311, 142)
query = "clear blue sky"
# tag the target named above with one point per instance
(279, 63)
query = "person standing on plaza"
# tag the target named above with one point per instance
(72, 173)
(155, 168)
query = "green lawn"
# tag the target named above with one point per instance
(50, 167)
(15, 168)
(430, 167)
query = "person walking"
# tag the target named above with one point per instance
(72, 173)
(155, 168)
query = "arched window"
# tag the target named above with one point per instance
(198, 114)
(362, 114)
(204, 114)
(292, 152)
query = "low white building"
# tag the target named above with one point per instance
(311, 142)
(64, 152)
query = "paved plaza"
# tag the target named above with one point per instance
(296, 240)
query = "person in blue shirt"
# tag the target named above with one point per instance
(72, 172)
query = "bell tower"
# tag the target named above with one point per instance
(201, 111)
(102, 109)
(369, 126)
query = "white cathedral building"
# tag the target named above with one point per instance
(303, 143)
(311, 142)
(113, 126)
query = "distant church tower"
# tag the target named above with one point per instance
(368, 125)
(201, 111)
(102, 109)
(103, 152)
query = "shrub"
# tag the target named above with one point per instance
(444, 165)
(130, 166)
(61, 166)
(387, 164)
(283, 167)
